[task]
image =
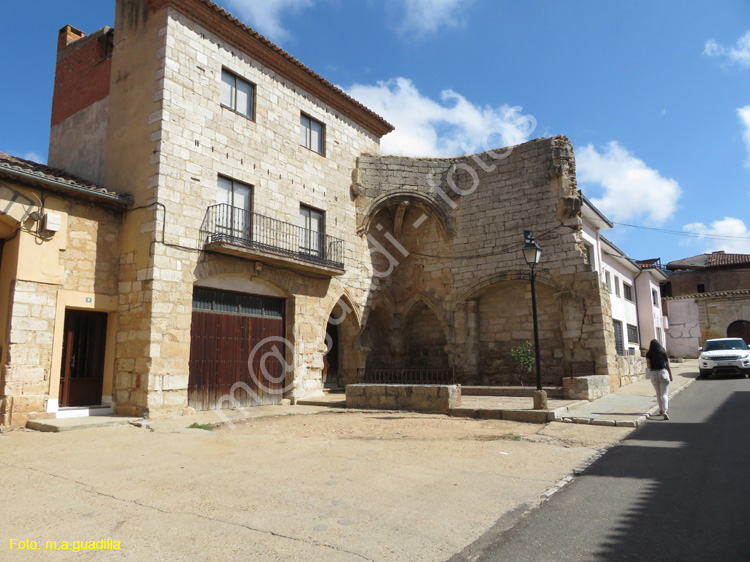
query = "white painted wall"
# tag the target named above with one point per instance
(622, 309)
(591, 238)
(651, 316)
(684, 335)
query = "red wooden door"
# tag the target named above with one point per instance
(82, 372)
(235, 339)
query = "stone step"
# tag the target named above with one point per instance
(552, 391)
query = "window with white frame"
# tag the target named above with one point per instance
(237, 94)
(312, 134)
(234, 204)
(312, 222)
(627, 291)
(617, 285)
(608, 280)
(655, 297)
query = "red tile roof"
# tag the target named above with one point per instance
(12, 166)
(717, 294)
(716, 259)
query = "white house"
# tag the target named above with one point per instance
(634, 289)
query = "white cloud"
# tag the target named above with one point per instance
(418, 16)
(744, 115)
(450, 127)
(632, 190)
(737, 233)
(740, 53)
(427, 16)
(265, 15)
(34, 157)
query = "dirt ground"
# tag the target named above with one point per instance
(330, 487)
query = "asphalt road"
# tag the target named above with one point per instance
(675, 490)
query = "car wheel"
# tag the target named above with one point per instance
(705, 374)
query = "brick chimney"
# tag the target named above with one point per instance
(67, 35)
(84, 65)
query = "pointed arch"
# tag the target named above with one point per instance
(485, 283)
(430, 204)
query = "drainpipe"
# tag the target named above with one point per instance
(637, 311)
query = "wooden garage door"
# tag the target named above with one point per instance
(228, 328)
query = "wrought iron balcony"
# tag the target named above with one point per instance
(237, 231)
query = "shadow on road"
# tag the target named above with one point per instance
(695, 490)
(675, 490)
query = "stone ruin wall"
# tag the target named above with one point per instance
(465, 266)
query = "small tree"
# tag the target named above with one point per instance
(523, 357)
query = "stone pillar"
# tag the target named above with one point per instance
(466, 319)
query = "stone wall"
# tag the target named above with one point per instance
(631, 369)
(693, 320)
(717, 312)
(586, 388)
(181, 123)
(422, 398)
(449, 232)
(80, 259)
(28, 361)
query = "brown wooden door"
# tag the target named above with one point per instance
(231, 333)
(82, 373)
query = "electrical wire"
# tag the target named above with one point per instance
(683, 233)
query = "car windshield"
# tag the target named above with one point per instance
(717, 345)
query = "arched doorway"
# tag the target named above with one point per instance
(331, 357)
(739, 329)
(341, 357)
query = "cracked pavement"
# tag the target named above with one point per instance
(333, 486)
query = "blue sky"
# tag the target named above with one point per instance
(655, 96)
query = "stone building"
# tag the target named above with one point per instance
(708, 297)
(59, 287)
(260, 247)
(708, 273)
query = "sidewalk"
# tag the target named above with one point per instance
(630, 405)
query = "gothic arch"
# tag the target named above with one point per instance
(425, 335)
(486, 283)
(429, 303)
(394, 198)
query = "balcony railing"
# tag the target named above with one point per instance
(231, 225)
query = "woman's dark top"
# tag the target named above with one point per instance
(657, 361)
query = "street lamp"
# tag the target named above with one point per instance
(532, 253)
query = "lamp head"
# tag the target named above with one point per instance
(532, 253)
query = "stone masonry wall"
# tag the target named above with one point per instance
(195, 141)
(26, 374)
(89, 259)
(481, 205)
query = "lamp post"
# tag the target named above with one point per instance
(532, 253)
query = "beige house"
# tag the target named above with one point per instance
(59, 281)
(265, 249)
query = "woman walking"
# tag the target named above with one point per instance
(660, 374)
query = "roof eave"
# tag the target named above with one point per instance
(121, 202)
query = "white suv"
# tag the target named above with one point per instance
(724, 356)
